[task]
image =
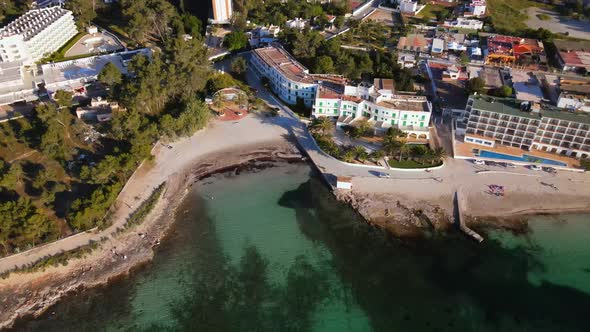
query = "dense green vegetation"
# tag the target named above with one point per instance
(62, 258)
(59, 175)
(328, 57)
(394, 145)
(277, 12)
(10, 9)
(138, 216)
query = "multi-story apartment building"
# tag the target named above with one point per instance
(506, 121)
(289, 79)
(377, 103)
(35, 34)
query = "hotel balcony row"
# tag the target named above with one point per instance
(504, 124)
(569, 138)
(501, 138)
(582, 132)
(504, 117)
(563, 144)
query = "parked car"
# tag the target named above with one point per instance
(479, 162)
(384, 175)
(535, 167)
(510, 165)
(550, 170)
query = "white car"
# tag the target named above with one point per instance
(535, 167)
(479, 162)
(384, 175)
(510, 165)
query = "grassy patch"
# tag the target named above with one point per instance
(430, 11)
(543, 17)
(508, 16)
(370, 34)
(146, 207)
(408, 163)
(61, 53)
(55, 260)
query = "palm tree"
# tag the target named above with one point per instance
(241, 99)
(438, 153)
(360, 153)
(348, 156)
(376, 155)
(321, 125)
(391, 145)
(395, 132)
(403, 147)
(218, 100)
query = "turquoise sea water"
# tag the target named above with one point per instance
(273, 251)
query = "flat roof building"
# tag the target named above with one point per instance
(507, 121)
(573, 55)
(35, 34)
(289, 79)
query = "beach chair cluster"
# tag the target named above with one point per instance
(496, 190)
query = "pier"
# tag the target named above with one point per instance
(459, 208)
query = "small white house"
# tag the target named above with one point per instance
(344, 182)
(408, 6)
(297, 23)
(464, 23)
(406, 60)
(91, 29)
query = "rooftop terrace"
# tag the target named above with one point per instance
(279, 58)
(511, 106)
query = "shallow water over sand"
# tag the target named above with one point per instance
(273, 250)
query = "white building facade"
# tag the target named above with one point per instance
(222, 11)
(465, 23)
(36, 34)
(408, 6)
(289, 79)
(380, 106)
(476, 8)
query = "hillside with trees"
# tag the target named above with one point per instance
(60, 175)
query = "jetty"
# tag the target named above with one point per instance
(459, 208)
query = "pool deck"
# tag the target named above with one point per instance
(465, 150)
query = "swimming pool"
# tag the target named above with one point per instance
(524, 158)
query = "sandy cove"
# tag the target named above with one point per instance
(30, 294)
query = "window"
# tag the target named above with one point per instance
(354, 108)
(421, 124)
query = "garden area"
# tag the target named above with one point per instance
(394, 146)
(370, 35)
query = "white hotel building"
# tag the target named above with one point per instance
(329, 95)
(37, 33)
(377, 103)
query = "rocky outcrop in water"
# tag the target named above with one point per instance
(401, 217)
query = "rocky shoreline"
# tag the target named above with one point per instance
(28, 295)
(407, 217)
